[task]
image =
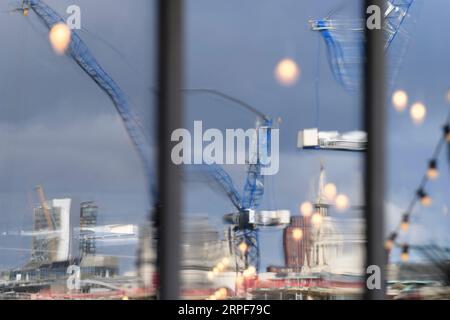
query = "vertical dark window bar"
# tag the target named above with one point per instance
(374, 114)
(170, 77)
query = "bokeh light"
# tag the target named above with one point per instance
(243, 247)
(226, 261)
(223, 292)
(389, 244)
(404, 226)
(306, 209)
(426, 201)
(400, 100)
(342, 202)
(418, 112)
(251, 271)
(330, 191)
(316, 219)
(297, 234)
(287, 72)
(404, 256)
(60, 36)
(432, 172)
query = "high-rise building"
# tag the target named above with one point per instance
(88, 219)
(146, 256)
(55, 242)
(44, 243)
(297, 250)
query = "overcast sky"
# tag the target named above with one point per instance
(57, 128)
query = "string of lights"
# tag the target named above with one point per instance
(421, 195)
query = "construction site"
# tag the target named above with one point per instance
(135, 170)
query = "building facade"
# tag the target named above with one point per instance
(88, 219)
(55, 242)
(297, 252)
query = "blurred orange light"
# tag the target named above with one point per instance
(389, 244)
(432, 173)
(316, 219)
(297, 233)
(223, 292)
(342, 202)
(426, 201)
(330, 191)
(418, 112)
(400, 100)
(404, 256)
(251, 271)
(287, 72)
(306, 209)
(243, 247)
(60, 36)
(404, 226)
(225, 261)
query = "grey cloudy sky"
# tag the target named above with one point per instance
(59, 129)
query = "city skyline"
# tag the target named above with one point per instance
(63, 132)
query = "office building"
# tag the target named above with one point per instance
(88, 220)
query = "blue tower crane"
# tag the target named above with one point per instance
(81, 54)
(245, 231)
(244, 228)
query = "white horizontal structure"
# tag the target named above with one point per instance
(107, 231)
(263, 218)
(113, 234)
(271, 218)
(125, 229)
(315, 139)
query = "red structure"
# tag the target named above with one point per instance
(297, 252)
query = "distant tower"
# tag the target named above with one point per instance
(44, 242)
(323, 249)
(322, 202)
(299, 252)
(56, 242)
(146, 256)
(88, 219)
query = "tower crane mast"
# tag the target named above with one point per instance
(48, 217)
(254, 185)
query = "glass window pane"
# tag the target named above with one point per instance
(288, 223)
(77, 132)
(418, 141)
